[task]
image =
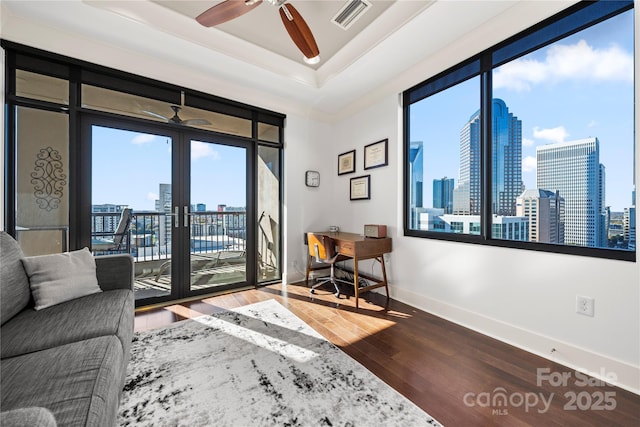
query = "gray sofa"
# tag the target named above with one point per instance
(64, 365)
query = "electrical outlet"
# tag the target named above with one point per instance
(584, 305)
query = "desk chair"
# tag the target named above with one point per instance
(323, 249)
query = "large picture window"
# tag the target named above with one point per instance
(531, 144)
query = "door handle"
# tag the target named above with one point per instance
(176, 216)
(186, 216)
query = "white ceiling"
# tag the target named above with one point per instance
(252, 56)
(263, 26)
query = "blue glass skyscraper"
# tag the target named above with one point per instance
(506, 159)
(506, 163)
(443, 194)
(416, 175)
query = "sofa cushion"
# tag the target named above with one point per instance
(14, 283)
(57, 278)
(104, 313)
(79, 382)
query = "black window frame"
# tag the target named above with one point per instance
(570, 21)
(78, 72)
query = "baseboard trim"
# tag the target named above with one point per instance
(573, 357)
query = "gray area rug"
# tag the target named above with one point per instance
(258, 365)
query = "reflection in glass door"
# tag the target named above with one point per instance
(217, 216)
(131, 209)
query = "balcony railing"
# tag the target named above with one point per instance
(149, 234)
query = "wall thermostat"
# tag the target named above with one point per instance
(375, 230)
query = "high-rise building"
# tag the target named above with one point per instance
(466, 195)
(506, 163)
(545, 210)
(416, 177)
(503, 227)
(510, 228)
(506, 160)
(629, 223)
(573, 168)
(163, 205)
(603, 216)
(443, 194)
(630, 228)
(105, 223)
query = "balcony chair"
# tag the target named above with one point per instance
(323, 249)
(118, 240)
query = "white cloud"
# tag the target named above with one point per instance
(564, 62)
(203, 149)
(518, 75)
(143, 138)
(526, 142)
(529, 164)
(152, 196)
(592, 124)
(557, 134)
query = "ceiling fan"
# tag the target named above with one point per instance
(177, 120)
(293, 22)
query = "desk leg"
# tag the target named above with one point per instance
(356, 289)
(308, 269)
(384, 275)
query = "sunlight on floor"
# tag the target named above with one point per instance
(183, 311)
(267, 342)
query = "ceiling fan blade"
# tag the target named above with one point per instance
(195, 122)
(225, 11)
(159, 116)
(299, 31)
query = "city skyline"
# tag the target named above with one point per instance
(578, 87)
(147, 160)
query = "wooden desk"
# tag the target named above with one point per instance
(357, 247)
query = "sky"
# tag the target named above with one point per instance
(128, 168)
(578, 87)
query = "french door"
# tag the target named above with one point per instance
(178, 200)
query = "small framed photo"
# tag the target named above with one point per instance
(360, 188)
(376, 154)
(347, 162)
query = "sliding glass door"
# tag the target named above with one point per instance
(217, 217)
(131, 203)
(176, 200)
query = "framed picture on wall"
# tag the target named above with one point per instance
(376, 154)
(347, 162)
(360, 188)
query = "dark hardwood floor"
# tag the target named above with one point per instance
(460, 377)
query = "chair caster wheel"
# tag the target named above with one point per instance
(337, 295)
(313, 291)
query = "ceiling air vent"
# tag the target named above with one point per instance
(350, 13)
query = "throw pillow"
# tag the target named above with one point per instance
(62, 277)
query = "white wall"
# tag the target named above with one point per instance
(522, 297)
(525, 298)
(309, 145)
